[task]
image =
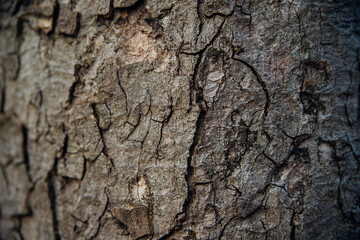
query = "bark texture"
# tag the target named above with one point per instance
(179, 119)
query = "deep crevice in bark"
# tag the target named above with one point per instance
(3, 99)
(52, 197)
(25, 150)
(55, 18)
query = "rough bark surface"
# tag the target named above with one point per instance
(179, 119)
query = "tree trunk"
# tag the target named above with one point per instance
(179, 119)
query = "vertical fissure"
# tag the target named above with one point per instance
(26, 159)
(55, 17)
(3, 99)
(52, 196)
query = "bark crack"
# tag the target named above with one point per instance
(26, 151)
(102, 214)
(56, 13)
(123, 90)
(3, 98)
(260, 81)
(101, 132)
(52, 197)
(191, 189)
(162, 128)
(293, 227)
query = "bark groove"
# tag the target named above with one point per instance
(179, 119)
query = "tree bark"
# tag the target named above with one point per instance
(179, 119)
